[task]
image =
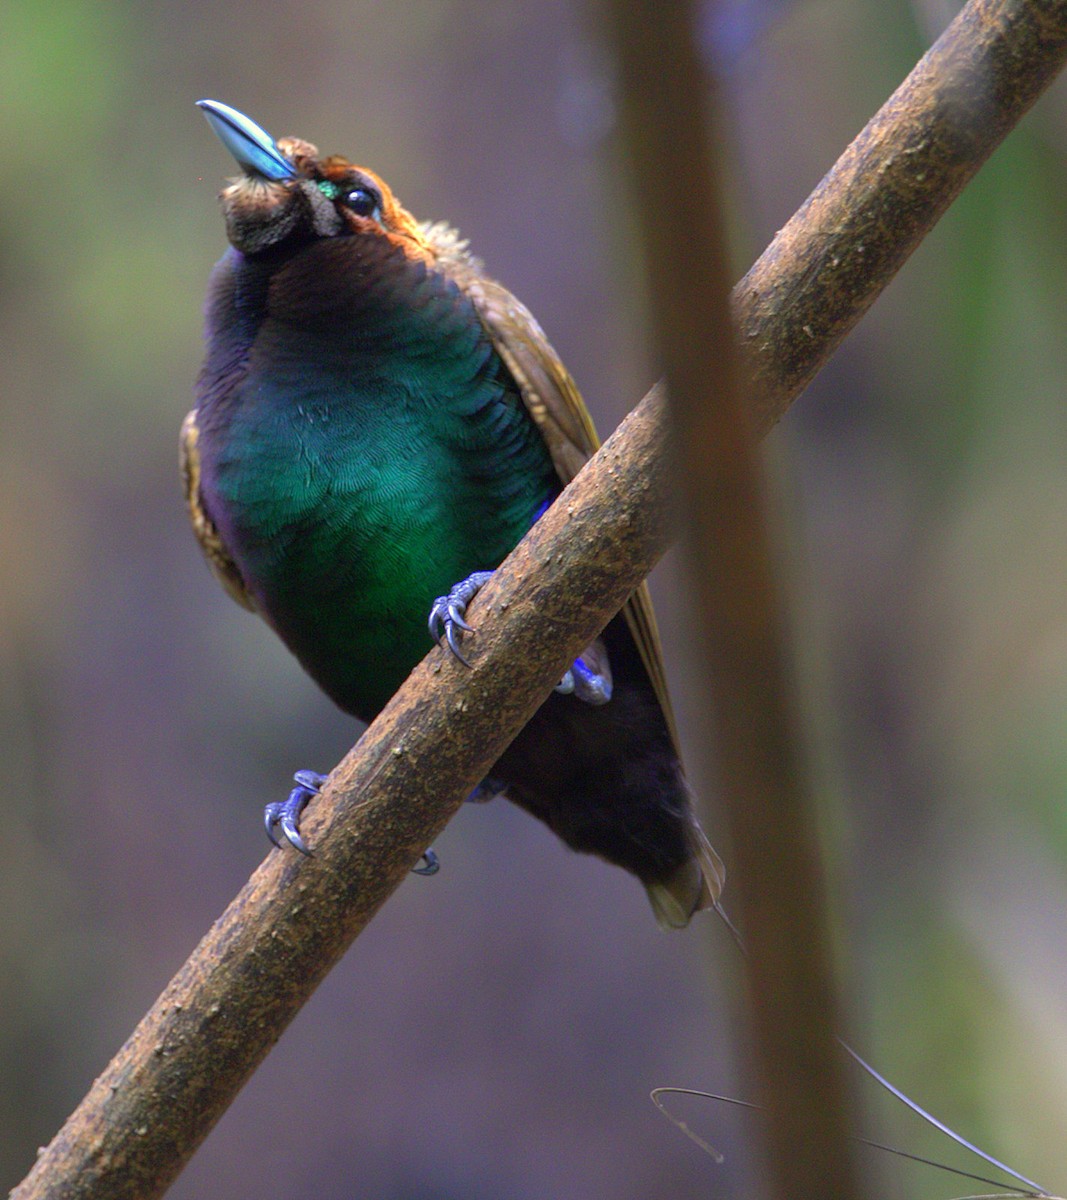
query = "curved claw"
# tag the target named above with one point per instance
(270, 819)
(285, 815)
(292, 834)
(453, 644)
(448, 614)
(431, 864)
(456, 617)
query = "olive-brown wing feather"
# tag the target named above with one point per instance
(218, 557)
(556, 405)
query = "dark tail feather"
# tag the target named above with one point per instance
(695, 885)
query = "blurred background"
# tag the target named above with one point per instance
(496, 1030)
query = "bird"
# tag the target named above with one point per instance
(377, 424)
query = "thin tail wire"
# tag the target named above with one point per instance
(1035, 1189)
(657, 1094)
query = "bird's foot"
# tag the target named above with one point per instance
(588, 685)
(448, 613)
(448, 622)
(285, 815)
(429, 864)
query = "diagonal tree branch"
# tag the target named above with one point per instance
(216, 1020)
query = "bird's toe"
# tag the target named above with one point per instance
(448, 614)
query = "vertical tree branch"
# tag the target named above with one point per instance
(751, 716)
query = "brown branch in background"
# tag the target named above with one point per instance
(751, 715)
(391, 796)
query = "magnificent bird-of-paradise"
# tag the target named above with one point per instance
(377, 425)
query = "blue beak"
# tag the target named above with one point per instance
(254, 149)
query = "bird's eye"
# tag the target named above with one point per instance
(363, 202)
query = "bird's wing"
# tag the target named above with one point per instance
(218, 557)
(556, 405)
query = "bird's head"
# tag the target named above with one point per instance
(286, 193)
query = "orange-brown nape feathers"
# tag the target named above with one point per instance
(347, 177)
